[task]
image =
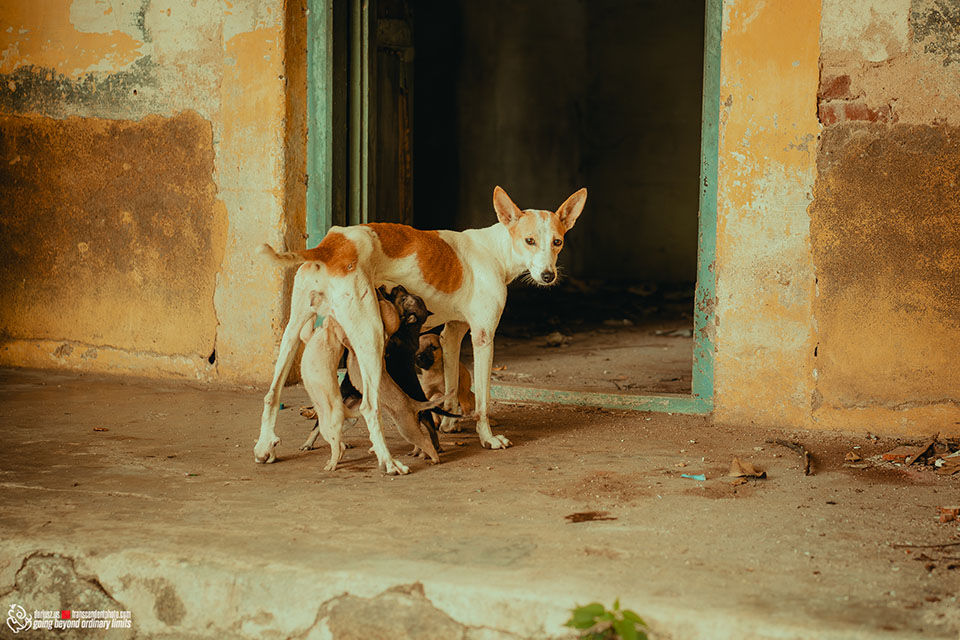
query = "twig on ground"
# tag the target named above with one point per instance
(926, 546)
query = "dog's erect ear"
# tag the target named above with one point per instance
(507, 212)
(412, 319)
(570, 210)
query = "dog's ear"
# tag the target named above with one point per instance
(570, 210)
(507, 212)
(412, 319)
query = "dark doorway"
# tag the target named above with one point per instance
(543, 97)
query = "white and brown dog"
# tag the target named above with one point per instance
(461, 276)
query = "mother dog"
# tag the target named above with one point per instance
(461, 276)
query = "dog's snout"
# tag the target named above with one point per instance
(548, 276)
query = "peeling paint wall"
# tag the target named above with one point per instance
(144, 152)
(765, 277)
(885, 221)
(838, 242)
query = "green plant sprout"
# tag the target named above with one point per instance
(595, 622)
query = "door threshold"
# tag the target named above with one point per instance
(654, 403)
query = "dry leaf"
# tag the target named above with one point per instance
(852, 456)
(100, 429)
(308, 412)
(950, 467)
(740, 469)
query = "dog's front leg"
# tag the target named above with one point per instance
(450, 340)
(482, 366)
(265, 449)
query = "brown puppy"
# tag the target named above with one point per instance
(318, 369)
(430, 371)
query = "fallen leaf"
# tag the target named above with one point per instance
(852, 456)
(100, 429)
(950, 467)
(900, 454)
(589, 516)
(948, 514)
(740, 469)
(502, 367)
(308, 413)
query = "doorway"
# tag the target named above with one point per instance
(542, 97)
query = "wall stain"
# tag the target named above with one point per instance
(936, 25)
(885, 232)
(111, 232)
(42, 91)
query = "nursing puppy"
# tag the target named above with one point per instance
(429, 364)
(323, 351)
(399, 358)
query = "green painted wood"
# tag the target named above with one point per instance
(659, 404)
(705, 298)
(319, 119)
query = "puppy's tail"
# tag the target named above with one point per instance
(432, 405)
(287, 258)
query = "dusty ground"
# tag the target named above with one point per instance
(149, 493)
(593, 336)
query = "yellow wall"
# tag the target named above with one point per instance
(767, 165)
(146, 153)
(837, 302)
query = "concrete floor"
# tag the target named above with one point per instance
(143, 496)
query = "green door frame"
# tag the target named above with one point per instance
(320, 211)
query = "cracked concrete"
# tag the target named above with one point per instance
(142, 496)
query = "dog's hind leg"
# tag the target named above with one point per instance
(450, 340)
(300, 313)
(358, 313)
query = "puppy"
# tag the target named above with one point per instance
(429, 364)
(399, 355)
(319, 367)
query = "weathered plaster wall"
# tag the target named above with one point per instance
(885, 221)
(839, 215)
(765, 278)
(142, 158)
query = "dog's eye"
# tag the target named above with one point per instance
(557, 242)
(531, 241)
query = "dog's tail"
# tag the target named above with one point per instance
(287, 258)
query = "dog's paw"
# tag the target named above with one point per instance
(393, 467)
(416, 451)
(450, 425)
(495, 442)
(310, 443)
(331, 466)
(265, 451)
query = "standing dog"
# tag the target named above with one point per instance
(462, 277)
